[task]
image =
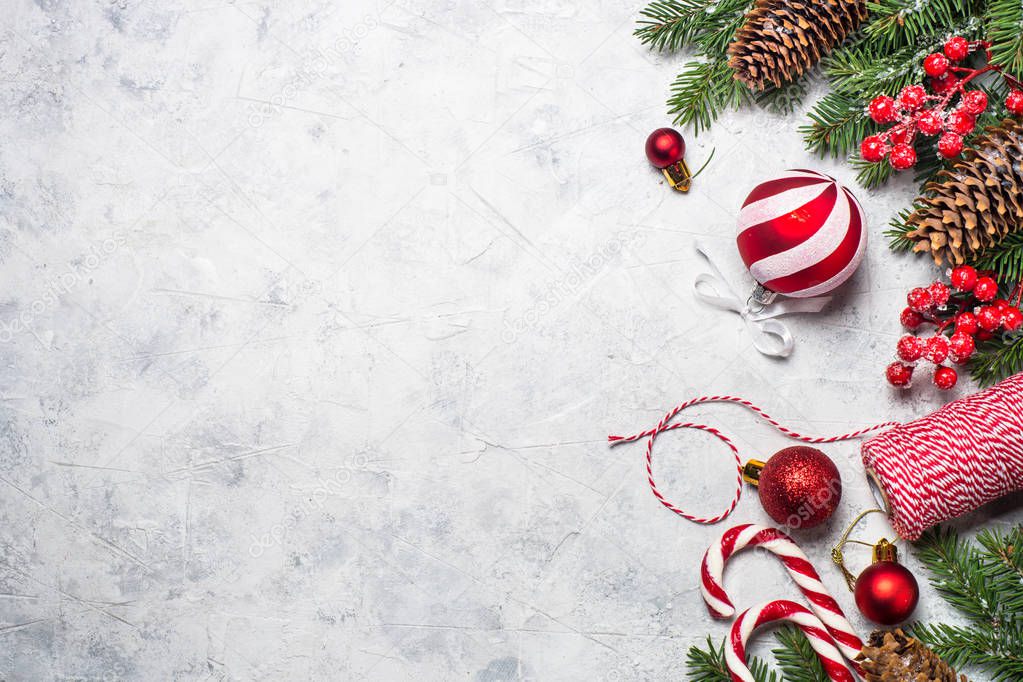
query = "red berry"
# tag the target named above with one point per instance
(950, 145)
(966, 323)
(945, 378)
(909, 348)
(910, 318)
(899, 374)
(1014, 102)
(936, 64)
(919, 299)
(936, 349)
(989, 318)
(961, 346)
(974, 102)
(964, 278)
(939, 292)
(985, 289)
(1000, 303)
(961, 122)
(882, 109)
(873, 149)
(956, 48)
(945, 83)
(929, 122)
(912, 97)
(1011, 318)
(902, 156)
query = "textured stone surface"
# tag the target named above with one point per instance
(316, 316)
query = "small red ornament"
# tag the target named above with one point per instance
(936, 349)
(882, 109)
(964, 278)
(909, 348)
(929, 122)
(902, 157)
(886, 591)
(966, 323)
(945, 378)
(956, 48)
(974, 102)
(936, 64)
(666, 150)
(989, 318)
(912, 97)
(873, 148)
(950, 145)
(799, 486)
(899, 375)
(910, 318)
(919, 300)
(986, 289)
(940, 293)
(1014, 102)
(960, 121)
(1012, 319)
(961, 346)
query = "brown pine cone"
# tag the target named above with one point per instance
(975, 205)
(781, 40)
(893, 656)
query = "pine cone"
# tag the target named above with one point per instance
(895, 657)
(780, 40)
(975, 205)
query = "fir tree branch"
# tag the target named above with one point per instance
(1005, 29)
(838, 123)
(898, 23)
(862, 72)
(708, 665)
(957, 574)
(1005, 259)
(871, 175)
(702, 90)
(796, 658)
(728, 16)
(898, 233)
(997, 359)
(670, 25)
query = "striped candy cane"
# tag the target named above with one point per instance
(799, 568)
(772, 611)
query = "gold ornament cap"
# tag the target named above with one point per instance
(751, 471)
(884, 551)
(679, 176)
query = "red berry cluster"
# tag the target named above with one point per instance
(917, 112)
(970, 314)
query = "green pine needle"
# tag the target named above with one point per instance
(897, 233)
(898, 23)
(838, 123)
(997, 359)
(670, 25)
(1004, 19)
(702, 90)
(796, 658)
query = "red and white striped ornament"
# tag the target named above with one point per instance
(796, 563)
(772, 612)
(801, 234)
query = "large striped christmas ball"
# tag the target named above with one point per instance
(801, 234)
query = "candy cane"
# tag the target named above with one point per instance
(799, 568)
(812, 627)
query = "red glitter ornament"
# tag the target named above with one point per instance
(886, 591)
(945, 378)
(799, 486)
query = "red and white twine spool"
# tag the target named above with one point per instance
(801, 234)
(799, 568)
(772, 612)
(929, 470)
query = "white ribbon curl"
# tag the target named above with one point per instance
(770, 336)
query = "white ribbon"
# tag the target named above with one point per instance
(770, 336)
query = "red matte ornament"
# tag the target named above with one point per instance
(666, 150)
(886, 591)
